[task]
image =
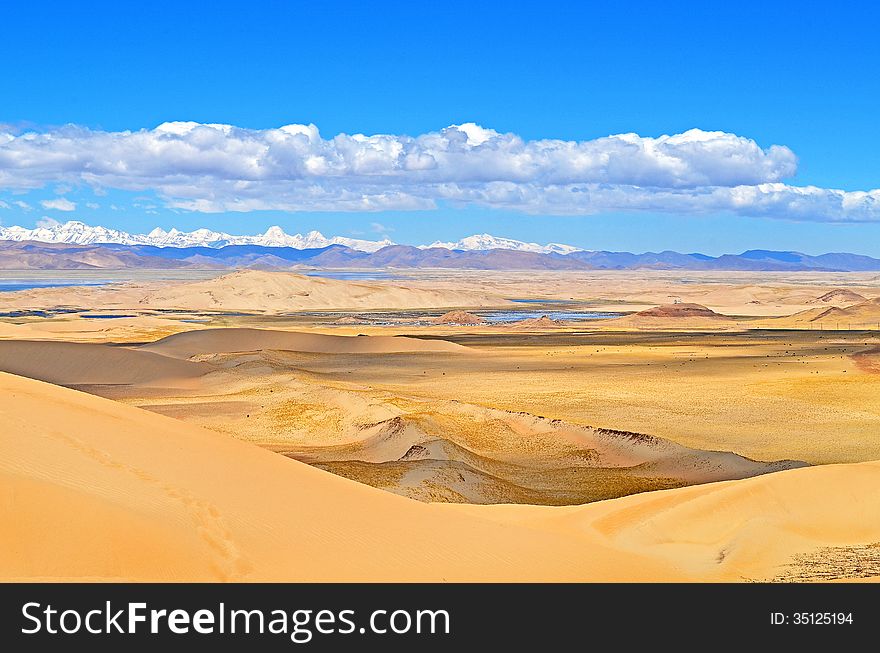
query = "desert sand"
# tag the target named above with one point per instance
(102, 491)
(68, 363)
(654, 445)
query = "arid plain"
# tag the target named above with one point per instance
(635, 426)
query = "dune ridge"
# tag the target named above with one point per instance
(229, 340)
(77, 363)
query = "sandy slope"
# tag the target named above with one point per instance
(217, 341)
(141, 328)
(70, 363)
(92, 489)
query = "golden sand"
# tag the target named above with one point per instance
(91, 489)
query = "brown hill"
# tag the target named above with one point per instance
(542, 322)
(458, 317)
(671, 316)
(27, 255)
(681, 310)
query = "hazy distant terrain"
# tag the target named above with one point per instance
(33, 255)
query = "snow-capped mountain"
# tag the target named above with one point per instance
(481, 242)
(73, 233)
(79, 233)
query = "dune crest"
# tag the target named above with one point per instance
(216, 341)
(79, 363)
(839, 296)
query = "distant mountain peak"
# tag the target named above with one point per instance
(482, 242)
(75, 232)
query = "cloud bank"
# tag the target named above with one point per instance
(215, 168)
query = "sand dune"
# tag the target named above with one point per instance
(864, 315)
(812, 524)
(80, 329)
(283, 291)
(69, 363)
(93, 489)
(252, 290)
(840, 296)
(385, 439)
(521, 448)
(15, 331)
(867, 312)
(96, 490)
(218, 341)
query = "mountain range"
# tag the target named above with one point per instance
(32, 255)
(79, 233)
(74, 232)
(75, 245)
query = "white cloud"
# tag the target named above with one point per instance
(60, 204)
(46, 222)
(213, 168)
(93, 205)
(379, 228)
(4, 205)
(24, 206)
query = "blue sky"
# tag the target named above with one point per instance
(804, 79)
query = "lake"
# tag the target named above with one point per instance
(361, 275)
(516, 316)
(28, 284)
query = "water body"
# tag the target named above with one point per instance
(28, 284)
(549, 302)
(353, 276)
(516, 316)
(38, 313)
(96, 316)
